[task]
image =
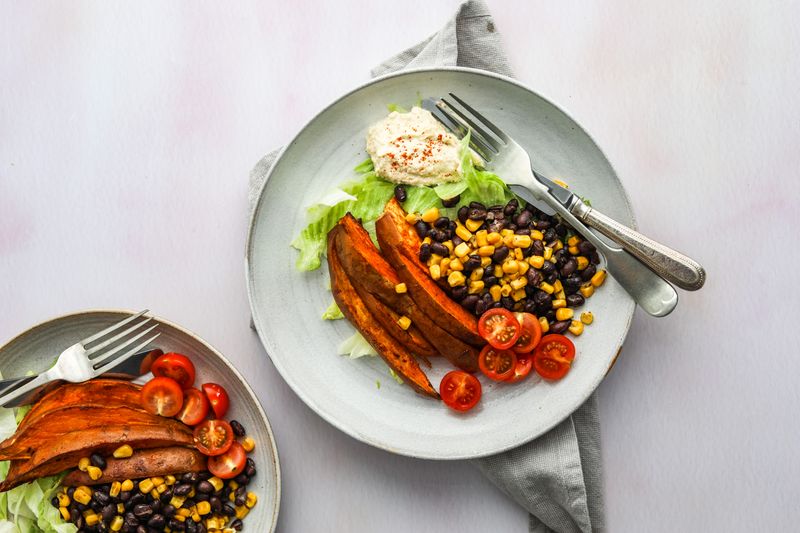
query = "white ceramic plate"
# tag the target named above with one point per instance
(287, 304)
(35, 349)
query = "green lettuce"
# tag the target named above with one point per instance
(356, 346)
(332, 312)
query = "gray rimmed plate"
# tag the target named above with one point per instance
(287, 304)
(34, 349)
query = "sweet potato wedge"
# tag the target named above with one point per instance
(157, 462)
(372, 273)
(352, 306)
(400, 246)
(57, 455)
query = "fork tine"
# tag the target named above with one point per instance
(476, 128)
(497, 131)
(133, 351)
(115, 338)
(112, 328)
(452, 122)
(104, 357)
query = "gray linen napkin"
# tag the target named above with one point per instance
(557, 478)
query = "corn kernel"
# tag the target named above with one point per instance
(411, 218)
(94, 472)
(63, 499)
(557, 286)
(120, 508)
(576, 327)
(155, 494)
(546, 287)
(251, 500)
(64, 512)
(436, 272)
(586, 290)
(427, 240)
(448, 245)
(560, 295)
(177, 502)
(511, 277)
(91, 518)
(241, 512)
(82, 495)
(505, 289)
(455, 279)
(494, 238)
(161, 489)
(475, 287)
(548, 253)
(233, 485)
(518, 255)
(582, 262)
(216, 482)
(536, 261)
(435, 259)
(404, 322)
(430, 215)
(521, 241)
(157, 480)
(559, 304)
(480, 238)
(518, 295)
(523, 267)
(573, 241)
(587, 317)
(116, 523)
(185, 512)
(83, 464)
(558, 245)
(518, 283)
(507, 239)
(113, 491)
(456, 265)
(561, 182)
(537, 235)
(476, 274)
(498, 271)
(444, 264)
(400, 288)
(510, 267)
(545, 324)
(473, 225)
(494, 290)
(146, 486)
(486, 261)
(195, 516)
(126, 485)
(486, 251)
(598, 278)
(212, 523)
(123, 451)
(564, 313)
(463, 232)
(203, 508)
(179, 518)
(574, 250)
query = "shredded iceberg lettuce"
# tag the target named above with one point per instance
(356, 346)
(332, 312)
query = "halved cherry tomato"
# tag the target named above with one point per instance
(230, 464)
(195, 407)
(213, 437)
(498, 365)
(459, 390)
(499, 328)
(218, 398)
(162, 396)
(530, 334)
(553, 357)
(523, 368)
(148, 360)
(176, 366)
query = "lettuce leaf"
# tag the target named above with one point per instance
(356, 346)
(332, 312)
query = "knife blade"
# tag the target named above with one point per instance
(564, 196)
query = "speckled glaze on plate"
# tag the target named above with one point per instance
(287, 304)
(34, 349)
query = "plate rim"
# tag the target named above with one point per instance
(225, 360)
(256, 316)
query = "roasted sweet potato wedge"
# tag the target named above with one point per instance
(400, 246)
(57, 455)
(353, 307)
(372, 273)
(157, 462)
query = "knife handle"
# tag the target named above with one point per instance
(666, 262)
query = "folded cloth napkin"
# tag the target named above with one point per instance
(557, 477)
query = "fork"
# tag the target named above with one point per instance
(81, 362)
(509, 160)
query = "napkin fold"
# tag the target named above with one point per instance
(557, 477)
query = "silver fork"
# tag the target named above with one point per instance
(513, 164)
(81, 362)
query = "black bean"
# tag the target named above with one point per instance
(537, 248)
(425, 252)
(588, 272)
(541, 298)
(511, 207)
(559, 327)
(551, 278)
(573, 282)
(486, 297)
(457, 240)
(131, 520)
(97, 460)
(495, 226)
(216, 504)
(472, 263)
(240, 500)
(548, 267)
(594, 258)
(476, 213)
(191, 477)
(143, 511)
(238, 428)
(70, 492)
(168, 510)
(79, 522)
(400, 193)
(586, 247)
(463, 214)
(542, 224)
(523, 219)
(570, 266)
(575, 300)
(176, 525)
(480, 307)
(452, 226)
(439, 235)
(561, 230)
(167, 495)
(500, 253)
(73, 514)
(489, 281)
(507, 302)
(477, 205)
(101, 497)
(422, 229)
(529, 307)
(452, 202)
(440, 249)
(191, 526)
(241, 479)
(202, 496)
(109, 511)
(549, 235)
(81, 507)
(496, 305)
(550, 315)
(54, 501)
(182, 489)
(157, 521)
(534, 277)
(531, 208)
(512, 227)
(523, 231)
(229, 509)
(469, 302)
(458, 294)
(250, 470)
(441, 222)
(205, 486)
(237, 524)
(156, 506)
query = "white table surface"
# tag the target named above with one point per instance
(127, 132)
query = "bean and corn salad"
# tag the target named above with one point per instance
(509, 256)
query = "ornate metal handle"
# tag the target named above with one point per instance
(666, 262)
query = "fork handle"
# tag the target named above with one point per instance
(666, 262)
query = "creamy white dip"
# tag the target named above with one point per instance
(414, 148)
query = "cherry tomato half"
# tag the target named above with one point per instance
(213, 437)
(530, 333)
(459, 390)
(195, 407)
(498, 365)
(230, 464)
(176, 366)
(162, 396)
(523, 368)
(553, 357)
(499, 328)
(218, 398)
